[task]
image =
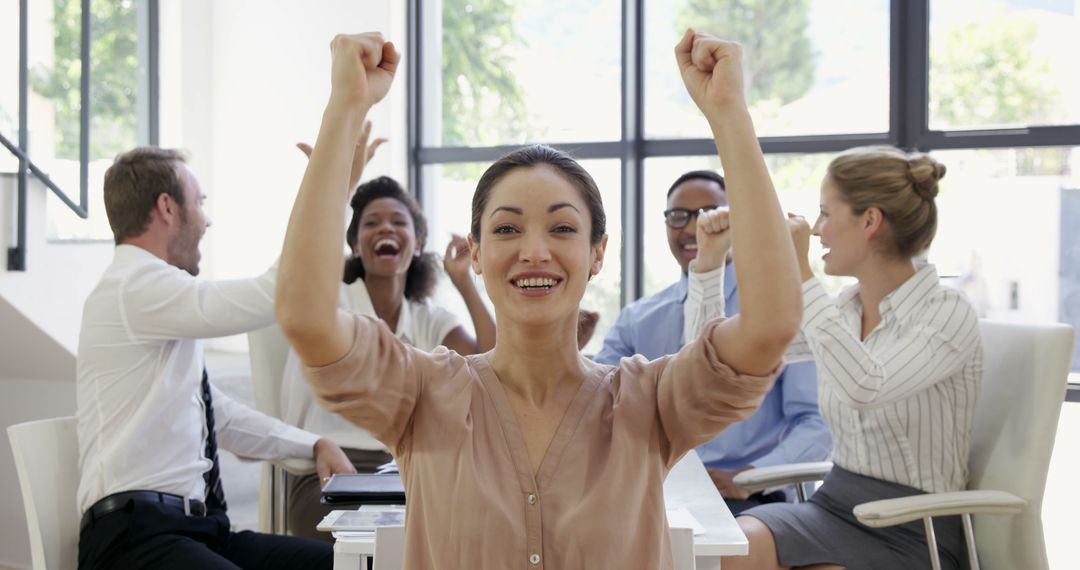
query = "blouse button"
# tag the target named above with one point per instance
(534, 559)
(532, 501)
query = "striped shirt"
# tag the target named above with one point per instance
(899, 403)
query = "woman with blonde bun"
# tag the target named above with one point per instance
(899, 362)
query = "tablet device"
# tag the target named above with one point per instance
(364, 489)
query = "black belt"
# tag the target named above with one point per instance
(117, 501)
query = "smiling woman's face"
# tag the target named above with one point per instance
(386, 238)
(534, 253)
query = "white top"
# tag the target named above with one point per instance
(140, 417)
(420, 324)
(899, 403)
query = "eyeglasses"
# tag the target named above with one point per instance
(677, 218)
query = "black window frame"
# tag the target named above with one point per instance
(909, 103)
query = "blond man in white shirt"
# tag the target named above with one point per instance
(149, 421)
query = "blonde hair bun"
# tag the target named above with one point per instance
(925, 172)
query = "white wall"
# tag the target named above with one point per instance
(241, 85)
(242, 82)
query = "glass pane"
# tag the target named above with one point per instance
(813, 66)
(448, 191)
(9, 87)
(55, 75)
(1014, 255)
(516, 71)
(1004, 63)
(797, 178)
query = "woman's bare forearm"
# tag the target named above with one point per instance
(310, 273)
(766, 270)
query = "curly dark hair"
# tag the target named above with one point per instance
(423, 271)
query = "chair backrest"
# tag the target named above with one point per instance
(268, 349)
(47, 461)
(389, 548)
(1025, 374)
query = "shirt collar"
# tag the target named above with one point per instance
(910, 294)
(680, 289)
(848, 297)
(125, 253)
(358, 301)
(404, 323)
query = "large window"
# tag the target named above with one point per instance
(989, 86)
(119, 107)
(809, 70)
(521, 71)
(1004, 64)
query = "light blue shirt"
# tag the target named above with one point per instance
(787, 428)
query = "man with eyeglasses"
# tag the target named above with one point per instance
(787, 428)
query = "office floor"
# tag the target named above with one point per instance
(231, 372)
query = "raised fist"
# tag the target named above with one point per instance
(363, 68)
(713, 239)
(800, 236)
(711, 68)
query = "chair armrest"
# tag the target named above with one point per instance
(891, 512)
(294, 466)
(754, 480)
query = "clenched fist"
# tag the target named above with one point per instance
(711, 68)
(363, 68)
(713, 239)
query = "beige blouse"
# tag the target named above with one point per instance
(597, 500)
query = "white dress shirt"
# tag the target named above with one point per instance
(419, 324)
(899, 403)
(141, 421)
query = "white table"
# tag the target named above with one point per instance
(688, 486)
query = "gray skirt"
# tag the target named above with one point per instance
(824, 531)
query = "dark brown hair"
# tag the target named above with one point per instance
(902, 185)
(537, 155)
(423, 270)
(133, 184)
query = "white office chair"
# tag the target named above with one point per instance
(1025, 372)
(47, 461)
(389, 548)
(268, 350)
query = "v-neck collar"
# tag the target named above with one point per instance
(515, 439)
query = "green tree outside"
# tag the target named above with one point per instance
(113, 79)
(984, 74)
(481, 97)
(777, 52)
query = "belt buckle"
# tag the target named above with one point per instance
(187, 507)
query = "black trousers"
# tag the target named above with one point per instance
(152, 535)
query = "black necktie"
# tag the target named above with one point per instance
(215, 494)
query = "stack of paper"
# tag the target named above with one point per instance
(363, 521)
